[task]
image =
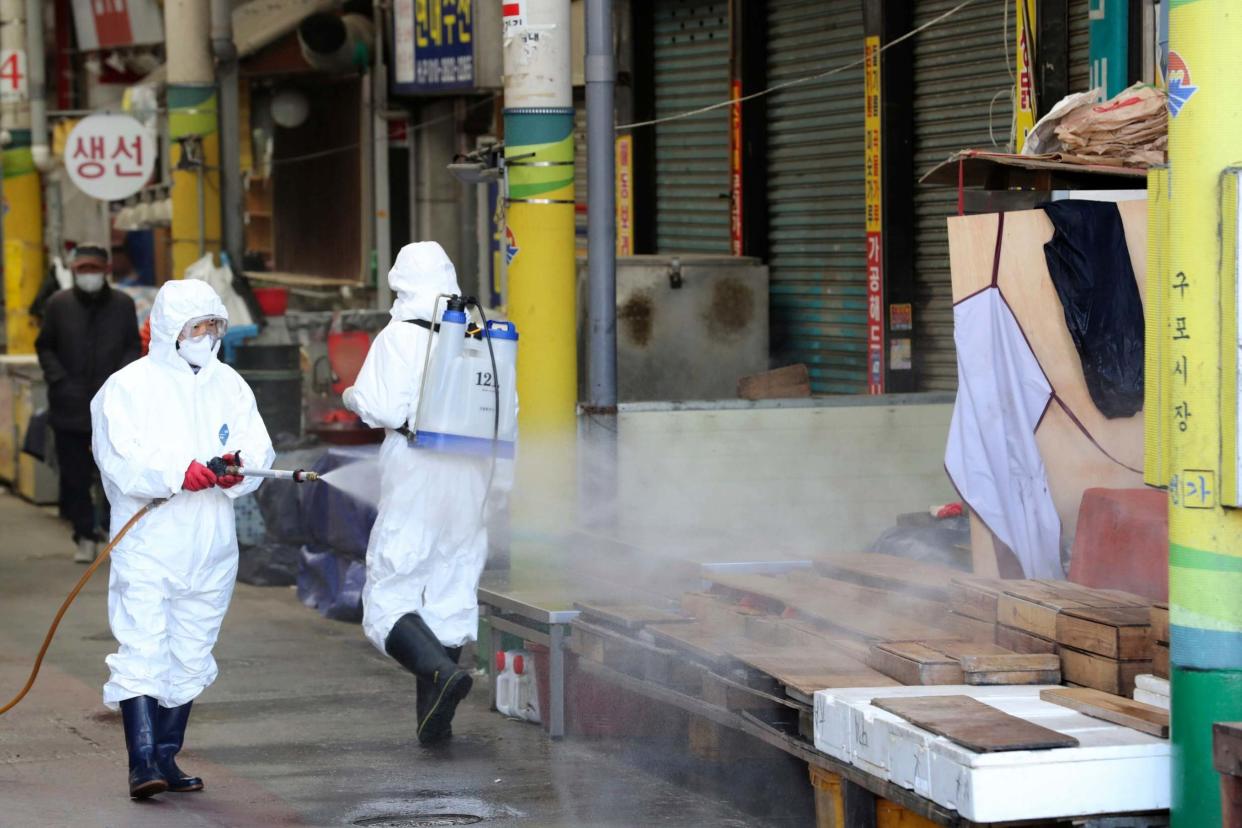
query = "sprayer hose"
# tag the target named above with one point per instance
(86, 576)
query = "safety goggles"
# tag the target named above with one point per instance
(213, 326)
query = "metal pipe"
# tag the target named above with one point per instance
(601, 205)
(231, 198)
(296, 475)
(379, 165)
(36, 85)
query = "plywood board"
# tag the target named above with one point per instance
(1098, 705)
(1100, 673)
(697, 640)
(1115, 632)
(1073, 463)
(1021, 641)
(973, 724)
(975, 597)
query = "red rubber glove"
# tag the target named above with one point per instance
(198, 477)
(228, 481)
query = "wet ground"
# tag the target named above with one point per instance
(307, 725)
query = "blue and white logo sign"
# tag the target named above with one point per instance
(1180, 88)
(224, 434)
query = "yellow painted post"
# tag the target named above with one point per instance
(192, 123)
(23, 243)
(1024, 74)
(1205, 550)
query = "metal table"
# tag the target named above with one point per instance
(541, 616)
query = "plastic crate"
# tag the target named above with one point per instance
(829, 803)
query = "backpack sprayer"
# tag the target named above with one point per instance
(218, 467)
(467, 402)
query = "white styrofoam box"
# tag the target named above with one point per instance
(1153, 684)
(1113, 770)
(846, 722)
(993, 787)
(1154, 699)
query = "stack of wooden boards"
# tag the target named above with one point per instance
(1102, 637)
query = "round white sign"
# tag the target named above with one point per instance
(110, 157)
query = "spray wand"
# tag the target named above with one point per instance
(218, 466)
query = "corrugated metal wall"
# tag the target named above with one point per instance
(692, 155)
(961, 85)
(816, 195)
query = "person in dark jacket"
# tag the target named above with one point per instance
(89, 332)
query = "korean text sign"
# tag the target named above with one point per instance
(110, 157)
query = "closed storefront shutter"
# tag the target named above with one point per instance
(816, 192)
(962, 100)
(692, 154)
(1080, 43)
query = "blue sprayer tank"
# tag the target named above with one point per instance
(457, 409)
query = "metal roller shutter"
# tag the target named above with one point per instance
(962, 84)
(816, 193)
(692, 154)
(1080, 42)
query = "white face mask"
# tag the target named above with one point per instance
(89, 282)
(198, 351)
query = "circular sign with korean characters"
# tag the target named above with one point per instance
(110, 157)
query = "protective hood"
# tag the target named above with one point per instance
(177, 303)
(421, 273)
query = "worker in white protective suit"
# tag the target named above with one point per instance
(157, 424)
(429, 543)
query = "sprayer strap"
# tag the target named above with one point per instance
(473, 332)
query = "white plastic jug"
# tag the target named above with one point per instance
(516, 693)
(527, 690)
(457, 409)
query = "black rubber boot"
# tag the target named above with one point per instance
(169, 737)
(425, 692)
(416, 648)
(139, 716)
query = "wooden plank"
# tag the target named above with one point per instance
(891, 573)
(973, 724)
(1013, 662)
(1109, 675)
(1160, 660)
(999, 677)
(912, 663)
(846, 608)
(975, 597)
(697, 640)
(961, 649)
(1135, 715)
(1116, 632)
(1020, 641)
(806, 672)
(1227, 748)
(780, 383)
(629, 616)
(971, 629)
(1160, 623)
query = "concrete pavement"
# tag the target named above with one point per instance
(307, 725)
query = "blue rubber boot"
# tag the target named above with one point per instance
(170, 736)
(139, 717)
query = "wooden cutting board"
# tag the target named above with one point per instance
(629, 616)
(1117, 632)
(973, 724)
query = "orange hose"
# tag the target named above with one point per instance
(86, 576)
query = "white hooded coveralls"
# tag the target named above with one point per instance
(173, 574)
(429, 543)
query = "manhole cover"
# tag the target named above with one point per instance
(419, 820)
